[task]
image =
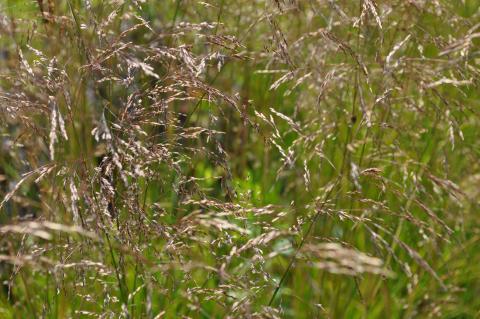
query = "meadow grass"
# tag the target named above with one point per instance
(239, 159)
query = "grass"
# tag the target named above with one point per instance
(239, 159)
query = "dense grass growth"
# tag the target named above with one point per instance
(239, 159)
